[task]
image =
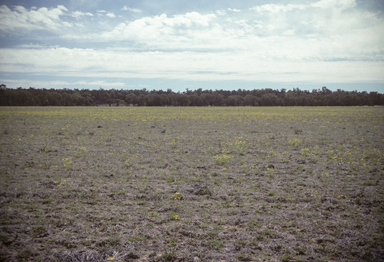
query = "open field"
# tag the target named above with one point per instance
(191, 184)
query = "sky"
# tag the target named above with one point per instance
(179, 44)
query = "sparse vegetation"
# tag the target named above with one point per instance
(235, 184)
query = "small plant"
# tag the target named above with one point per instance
(153, 214)
(253, 224)
(38, 231)
(295, 142)
(128, 162)
(168, 256)
(314, 195)
(222, 160)
(324, 177)
(332, 155)
(177, 196)
(286, 257)
(62, 183)
(73, 208)
(82, 152)
(68, 164)
(173, 216)
(136, 239)
(270, 172)
(298, 131)
(304, 151)
(114, 240)
(172, 241)
(243, 257)
(216, 243)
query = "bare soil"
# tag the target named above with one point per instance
(192, 184)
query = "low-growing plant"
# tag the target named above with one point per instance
(173, 216)
(68, 164)
(216, 243)
(222, 160)
(177, 196)
(244, 257)
(168, 256)
(38, 230)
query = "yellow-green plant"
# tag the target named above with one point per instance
(222, 160)
(128, 162)
(177, 196)
(68, 164)
(304, 151)
(270, 172)
(314, 195)
(173, 216)
(295, 142)
(82, 152)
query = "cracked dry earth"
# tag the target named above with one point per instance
(192, 184)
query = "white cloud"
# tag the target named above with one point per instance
(221, 12)
(275, 8)
(61, 7)
(60, 84)
(163, 30)
(339, 4)
(31, 46)
(78, 14)
(111, 15)
(248, 66)
(21, 18)
(308, 33)
(318, 41)
(135, 10)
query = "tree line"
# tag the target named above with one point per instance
(257, 97)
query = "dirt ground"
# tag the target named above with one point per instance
(192, 184)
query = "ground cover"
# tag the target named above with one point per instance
(191, 184)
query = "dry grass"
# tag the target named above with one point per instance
(174, 184)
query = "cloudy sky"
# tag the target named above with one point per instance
(180, 44)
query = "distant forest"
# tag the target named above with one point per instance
(257, 97)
